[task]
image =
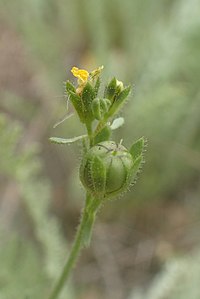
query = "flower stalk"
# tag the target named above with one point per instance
(107, 168)
(84, 230)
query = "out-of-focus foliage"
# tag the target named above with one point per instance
(27, 268)
(153, 45)
(168, 104)
(178, 280)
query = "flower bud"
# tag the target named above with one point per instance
(119, 86)
(113, 88)
(100, 107)
(110, 89)
(106, 170)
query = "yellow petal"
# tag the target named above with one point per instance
(80, 74)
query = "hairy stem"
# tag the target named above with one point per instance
(89, 131)
(78, 244)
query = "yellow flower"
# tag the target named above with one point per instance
(82, 75)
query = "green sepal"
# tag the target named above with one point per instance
(103, 135)
(70, 87)
(136, 167)
(88, 96)
(98, 176)
(136, 152)
(119, 100)
(59, 140)
(137, 148)
(110, 89)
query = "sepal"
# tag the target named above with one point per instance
(98, 175)
(137, 148)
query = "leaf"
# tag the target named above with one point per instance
(59, 140)
(76, 101)
(96, 87)
(123, 94)
(70, 87)
(88, 96)
(110, 89)
(119, 100)
(137, 148)
(118, 122)
(136, 167)
(103, 135)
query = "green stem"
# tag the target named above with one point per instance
(89, 131)
(78, 244)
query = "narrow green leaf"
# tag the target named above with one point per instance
(123, 94)
(76, 101)
(70, 87)
(110, 89)
(136, 167)
(96, 87)
(118, 122)
(59, 140)
(88, 96)
(119, 100)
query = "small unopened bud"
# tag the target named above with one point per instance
(119, 86)
(113, 89)
(100, 107)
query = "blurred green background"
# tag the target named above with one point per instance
(143, 244)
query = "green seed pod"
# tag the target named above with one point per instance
(100, 107)
(106, 170)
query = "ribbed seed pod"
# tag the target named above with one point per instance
(106, 169)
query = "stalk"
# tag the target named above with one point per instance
(78, 244)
